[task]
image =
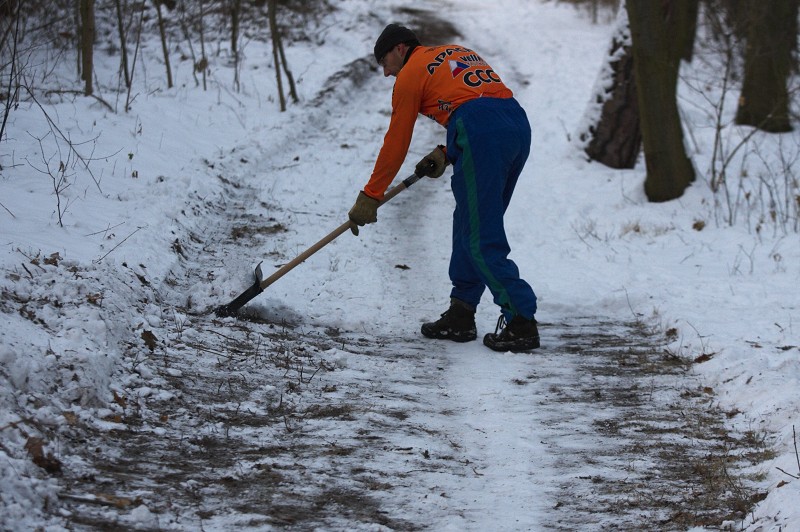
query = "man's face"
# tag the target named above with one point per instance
(392, 62)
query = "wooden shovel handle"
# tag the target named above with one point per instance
(330, 237)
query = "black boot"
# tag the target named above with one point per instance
(456, 324)
(518, 335)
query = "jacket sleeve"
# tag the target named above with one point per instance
(405, 107)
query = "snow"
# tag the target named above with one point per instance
(77, 300)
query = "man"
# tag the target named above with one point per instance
(488, 141)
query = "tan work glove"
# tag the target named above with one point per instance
(433, 164)
(364, 211)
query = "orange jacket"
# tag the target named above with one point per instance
(433, 82)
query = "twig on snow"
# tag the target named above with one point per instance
(9, 212)
(79, 93)
(57, 130)
(796, 455)
(97, 261)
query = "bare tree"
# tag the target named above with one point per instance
(279, 56)
(87, 44)
(202, 65)
(191, 19)
(771, 41)
(289, 77)
(660, 33)
(184, 23)
(121, 6)
(276, 38)
(164, 48)
(236, 13)
(76, 15)
(128, 99)
(13, 87)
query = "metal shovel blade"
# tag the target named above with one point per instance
(231, 308)
(224, 311)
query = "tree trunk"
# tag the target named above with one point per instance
(615, 138)
(164, 47)
(203, 64)
(76, 15)
(771, 40)
(659, 37)
(135, 54)
(13, 89)
(289, 76)
(122, 43)
(276, 44)
(693, 10)
(236, 11)
(87, 44)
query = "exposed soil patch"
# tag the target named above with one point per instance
(244, 432)
(249, 231)
(673, 459)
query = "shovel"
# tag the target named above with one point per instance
(260, 283)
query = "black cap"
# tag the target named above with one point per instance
(392, 35)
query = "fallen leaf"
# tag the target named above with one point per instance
(119, 399)
(114, 500)
(35, 448)
(53, 259)
(150, 340)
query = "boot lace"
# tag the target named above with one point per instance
(501, 324)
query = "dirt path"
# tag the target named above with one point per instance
(280, 421)
(258, 424)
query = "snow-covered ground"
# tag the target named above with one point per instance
(81, 302)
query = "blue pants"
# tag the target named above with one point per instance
(488, 142)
